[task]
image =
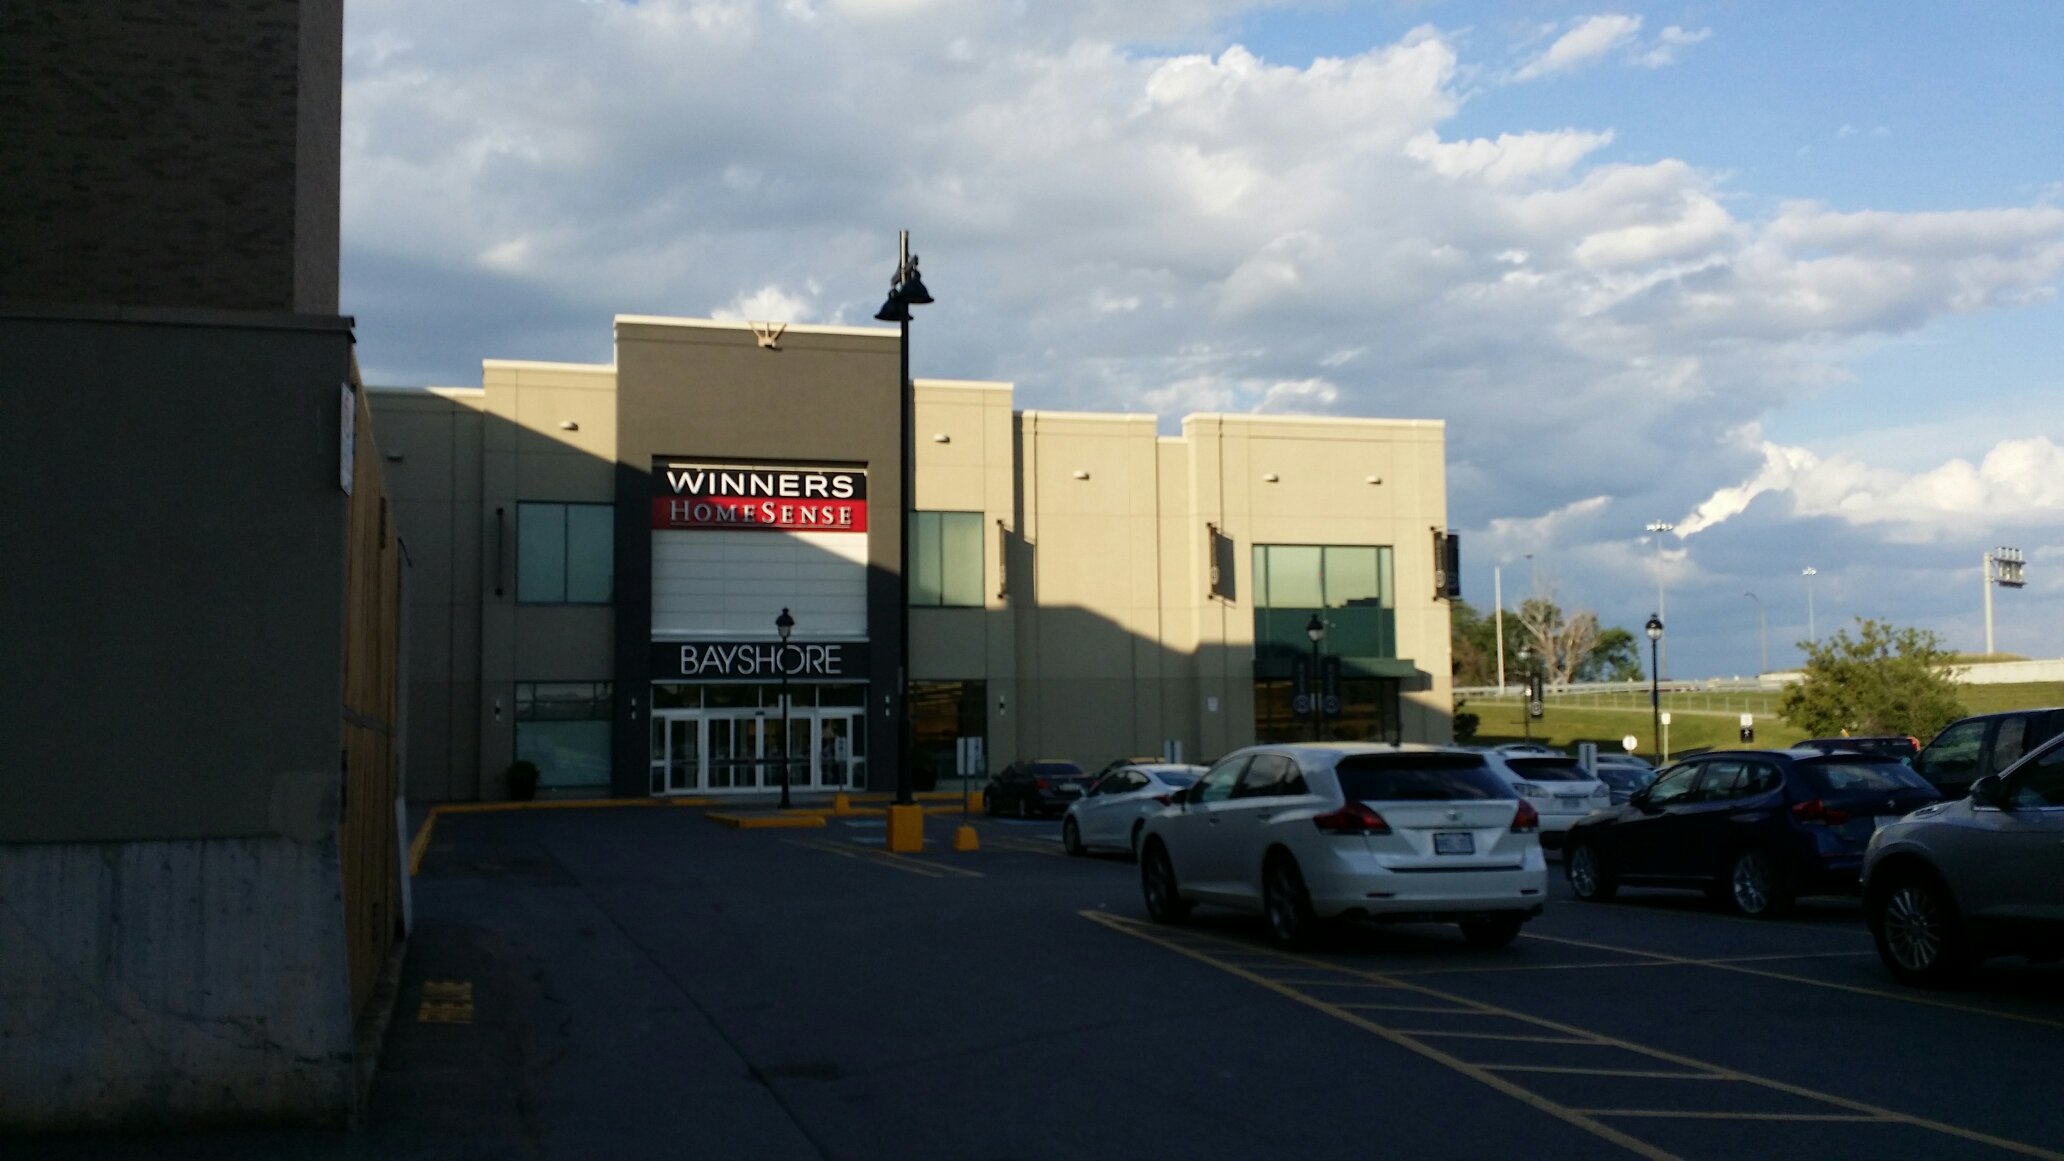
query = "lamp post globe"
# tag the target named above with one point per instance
(783, 625)
(1316, 630)
(1654, 629)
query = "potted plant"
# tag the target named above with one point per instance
(523, 780)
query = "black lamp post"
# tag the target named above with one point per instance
(1316, 630)
(784, 624)
(1655, 690)
(906, 290)
(1526, 685)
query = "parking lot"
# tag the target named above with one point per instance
(642, 983)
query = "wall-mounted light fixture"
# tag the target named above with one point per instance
(1081, 475)
(568, 425)
(395, 457)
(1373, 479)
(942, 437)
(1270, 477)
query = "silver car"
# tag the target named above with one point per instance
(1111, 814)
(1308, 833)
(1958, 881)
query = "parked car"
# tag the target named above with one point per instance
(1309, 834)
(1900, 746)
(1954, 883)
(1116, 764)
(1041, 786)
(1556, 785)
(1111, 813)
(1971, 748)
(1754, 828)
(1525, 748)
(1623, 776)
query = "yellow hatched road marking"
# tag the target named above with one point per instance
(908, 863)
(1735, 965)
(1414, 1008)
(1587, 1120)
(1595, 965)
(1635, 1072)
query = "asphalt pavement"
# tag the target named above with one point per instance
(643, 983)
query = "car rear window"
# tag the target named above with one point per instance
(1625, 777)
(1418, 778)
(1839, 772)
(1548, 769)
(1177, 778)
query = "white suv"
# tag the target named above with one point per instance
(1557, 786)
(1306, 833)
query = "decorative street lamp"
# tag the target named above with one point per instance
(1526, 685)
(784, 624)
(1316, 630)
(1655, 689)
(906, 290)
(1658, 527)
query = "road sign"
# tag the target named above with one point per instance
(1666, 717)
(1329, 686)
(1629, 742)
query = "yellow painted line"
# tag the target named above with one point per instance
(1857, 989)
(1596, 965)
(422, 842)
(1696, 1115)
(1497, 1036)
(767, 821)
(546, 804)
(1629, 1072)
(1573, 1116)
(908, 863)
(1489, 1079)
(1411, 1008)
(446, 1002)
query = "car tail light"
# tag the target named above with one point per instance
(1525, 820)
(1354, 818)
(1041, 784)
(1164, 799)
(1820, 813)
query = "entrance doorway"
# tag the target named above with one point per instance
(729, 751)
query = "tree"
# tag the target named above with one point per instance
(1884, 680)
(1615, 656)
(1473, 645)
(1561, 644)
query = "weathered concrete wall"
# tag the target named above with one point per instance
(168, 982)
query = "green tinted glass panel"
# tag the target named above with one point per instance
(924, 558)
(590, 553)
(1351, 578)
(1294, 576)
(541, 552)
(960, 559)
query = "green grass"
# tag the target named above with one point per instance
(1700, 721)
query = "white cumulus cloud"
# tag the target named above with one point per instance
(1593, 39)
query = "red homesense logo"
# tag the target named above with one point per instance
(768, 515)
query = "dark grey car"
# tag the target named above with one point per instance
(1971, 748)
(1955, 882)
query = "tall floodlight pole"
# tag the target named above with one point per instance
(2002, 567)
(906, 290)
(1498, 616)
(1762, 633)
(1656, 528)
(1655, 687)
(1809, 572)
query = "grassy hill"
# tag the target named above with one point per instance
(1699, 721)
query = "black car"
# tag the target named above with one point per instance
(1971, 748)
(1754, 828)
(1041, 786)
(1900, 746)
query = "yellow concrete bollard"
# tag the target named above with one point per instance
(840, 804)
(964, 838)
(906, 828)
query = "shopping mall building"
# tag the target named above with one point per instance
(601, 552)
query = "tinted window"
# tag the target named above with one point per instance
(1837, 773)
(1624, 777)
(1722, 780)
(2041, 782)
(1547, 769)
(2009, 743)
(1954, 752)
(1217, 784)
(1418, 778)
(1267, 777)
(1763, 777)
(1056, 770)
(1673, 785)
(1177, 778)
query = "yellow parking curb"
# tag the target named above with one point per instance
(768, 821)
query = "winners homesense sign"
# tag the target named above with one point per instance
(775, 499)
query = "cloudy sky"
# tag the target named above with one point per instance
(1782, 275)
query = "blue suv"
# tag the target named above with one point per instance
(1754, 828)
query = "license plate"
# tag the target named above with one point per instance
(1454, 844)
(1571, 799)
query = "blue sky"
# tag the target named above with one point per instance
(1784, 275)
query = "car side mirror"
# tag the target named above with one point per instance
(1989, 791)
(1638, 798)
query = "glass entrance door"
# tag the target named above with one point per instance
(718, 750)
(676, 753)
(839, 759)
(737, 747)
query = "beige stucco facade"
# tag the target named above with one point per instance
(1099, 631)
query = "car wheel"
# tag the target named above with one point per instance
(1285, 904)
(1071, 838)
(1165, 903)
(1585, 869)
(1137, 829)
(1915, 926)
(1755, 885)
(1492, 932)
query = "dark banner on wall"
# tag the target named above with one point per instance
(759, 660)
(784, 499)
